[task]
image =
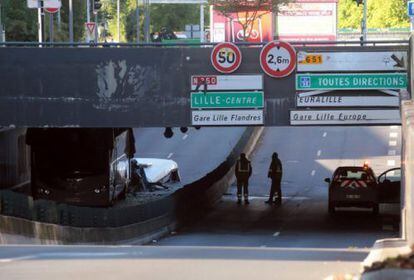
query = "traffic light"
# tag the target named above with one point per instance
(96, 5)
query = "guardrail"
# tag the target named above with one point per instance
(197, 44)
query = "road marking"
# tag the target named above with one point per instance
(393, 143)
(276, 234)
(313, 172)
(324, 134)
(391, 162)
(292, 161)
(394, 127)
(16, 259)
(185, 136)
(170, 155)
(393, 134)
(319, 153)
(392, 152)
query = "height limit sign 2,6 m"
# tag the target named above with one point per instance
(278, 59)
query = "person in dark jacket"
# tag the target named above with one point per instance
(275, 173)
(243, 172)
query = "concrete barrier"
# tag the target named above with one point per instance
(46, 222)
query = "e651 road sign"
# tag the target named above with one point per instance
(278, 59)
(226, 57)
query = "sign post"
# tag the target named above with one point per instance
(278, 59)
(410, 12)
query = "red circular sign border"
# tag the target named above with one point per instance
(271, 72)
(47, 10)
(238, 57)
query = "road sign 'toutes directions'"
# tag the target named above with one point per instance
(226, 57)
(278, 59)
(353, 81)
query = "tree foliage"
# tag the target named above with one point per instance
(380, 13)
(21, 23)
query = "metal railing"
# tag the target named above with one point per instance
(196, 44)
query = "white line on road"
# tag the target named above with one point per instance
(393, 143)
(324, 134)
(393, 134)
(185, 136)
(313, 172)
(170, 155)
(392, 152)
(394, 127)
(319, 153)
(276, 234)
(391, 162)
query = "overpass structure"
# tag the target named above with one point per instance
(156, 86)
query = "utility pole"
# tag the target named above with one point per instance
(59, 20)
(40, 15)
(71, 21)
(147, 21)
(202, 39)
(88, 17)
(51, 27)
(138, 23)
(364, 21)
(118, 23)
(2, 32)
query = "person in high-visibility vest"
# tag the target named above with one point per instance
(275, 173)
(243, 172)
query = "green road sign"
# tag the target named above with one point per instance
(230, 100)
(351, 81)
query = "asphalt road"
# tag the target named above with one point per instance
(298, 240)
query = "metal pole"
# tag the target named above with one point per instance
(1, 28)
(118, 24)
(96, 27)
(40, 21)
(71, 21)
(138, 23)
(88, 18)
(88, 10)
(411, 24)
(147, 21)
(364, 21)
(59, 20)
(202, 37)
(51, 28)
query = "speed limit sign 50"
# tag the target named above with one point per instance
(226, 57)
(278, 59)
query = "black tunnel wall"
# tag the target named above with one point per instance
(123, 87)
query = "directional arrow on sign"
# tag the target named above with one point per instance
(400, 62)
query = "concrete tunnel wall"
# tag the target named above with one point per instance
(124, 87)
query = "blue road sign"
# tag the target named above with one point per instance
(410, 8)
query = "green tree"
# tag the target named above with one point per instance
(381, 14)
(21, 23)
(172, 16)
